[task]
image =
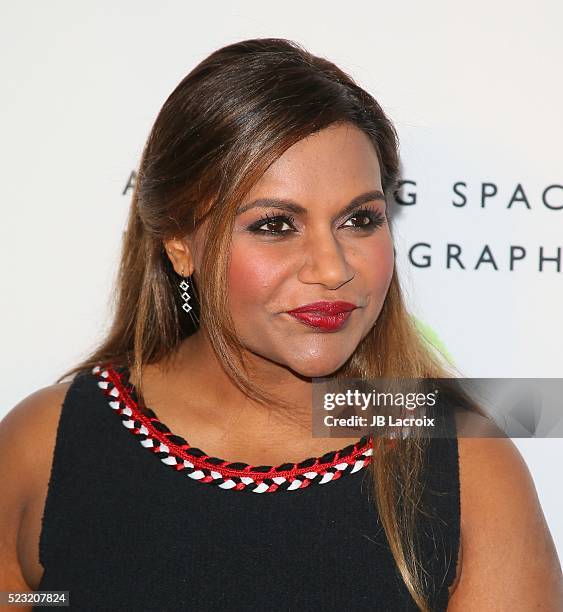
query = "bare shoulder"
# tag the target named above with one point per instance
(27, 440)
(34, 418)
(508, 560)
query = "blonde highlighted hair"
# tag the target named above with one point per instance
(218, 131)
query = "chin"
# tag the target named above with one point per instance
(316, 368)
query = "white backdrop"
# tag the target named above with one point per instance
(474, 90)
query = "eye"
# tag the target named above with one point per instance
(366, 219)
(273, 224)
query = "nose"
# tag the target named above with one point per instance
(324, 261)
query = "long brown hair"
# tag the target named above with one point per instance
(223, 125)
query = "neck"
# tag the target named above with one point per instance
(192, 394)
(197, 363)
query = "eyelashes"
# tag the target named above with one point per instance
(369, 220)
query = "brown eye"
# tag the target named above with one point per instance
(366, 220)
(361, 220)
(274, 225)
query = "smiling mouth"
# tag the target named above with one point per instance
(325, 307)
(322, 321)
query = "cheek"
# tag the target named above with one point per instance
(253, 276)
(377, 261)
(385, 264)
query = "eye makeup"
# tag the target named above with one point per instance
(371, 220)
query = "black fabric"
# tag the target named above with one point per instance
(123, 531)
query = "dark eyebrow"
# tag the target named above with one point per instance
(294, 207)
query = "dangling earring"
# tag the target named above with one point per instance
(184, 286)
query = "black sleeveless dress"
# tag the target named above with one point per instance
(136, 519)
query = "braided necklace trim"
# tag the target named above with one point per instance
(173, 450)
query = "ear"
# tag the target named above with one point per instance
(181, 255)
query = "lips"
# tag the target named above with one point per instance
(325, 316)
(326, 308)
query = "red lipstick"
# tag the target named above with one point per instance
(328, 316)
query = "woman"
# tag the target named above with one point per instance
(258, 256)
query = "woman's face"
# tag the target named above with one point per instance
(321, 236)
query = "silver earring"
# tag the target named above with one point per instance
(184, 286)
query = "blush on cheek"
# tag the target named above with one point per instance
(251, 277)
(387, 265)
(380, 271)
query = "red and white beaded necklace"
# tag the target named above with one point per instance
(174, 451)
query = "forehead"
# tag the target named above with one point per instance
(338, 158)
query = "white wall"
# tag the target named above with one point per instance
(474, 90)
